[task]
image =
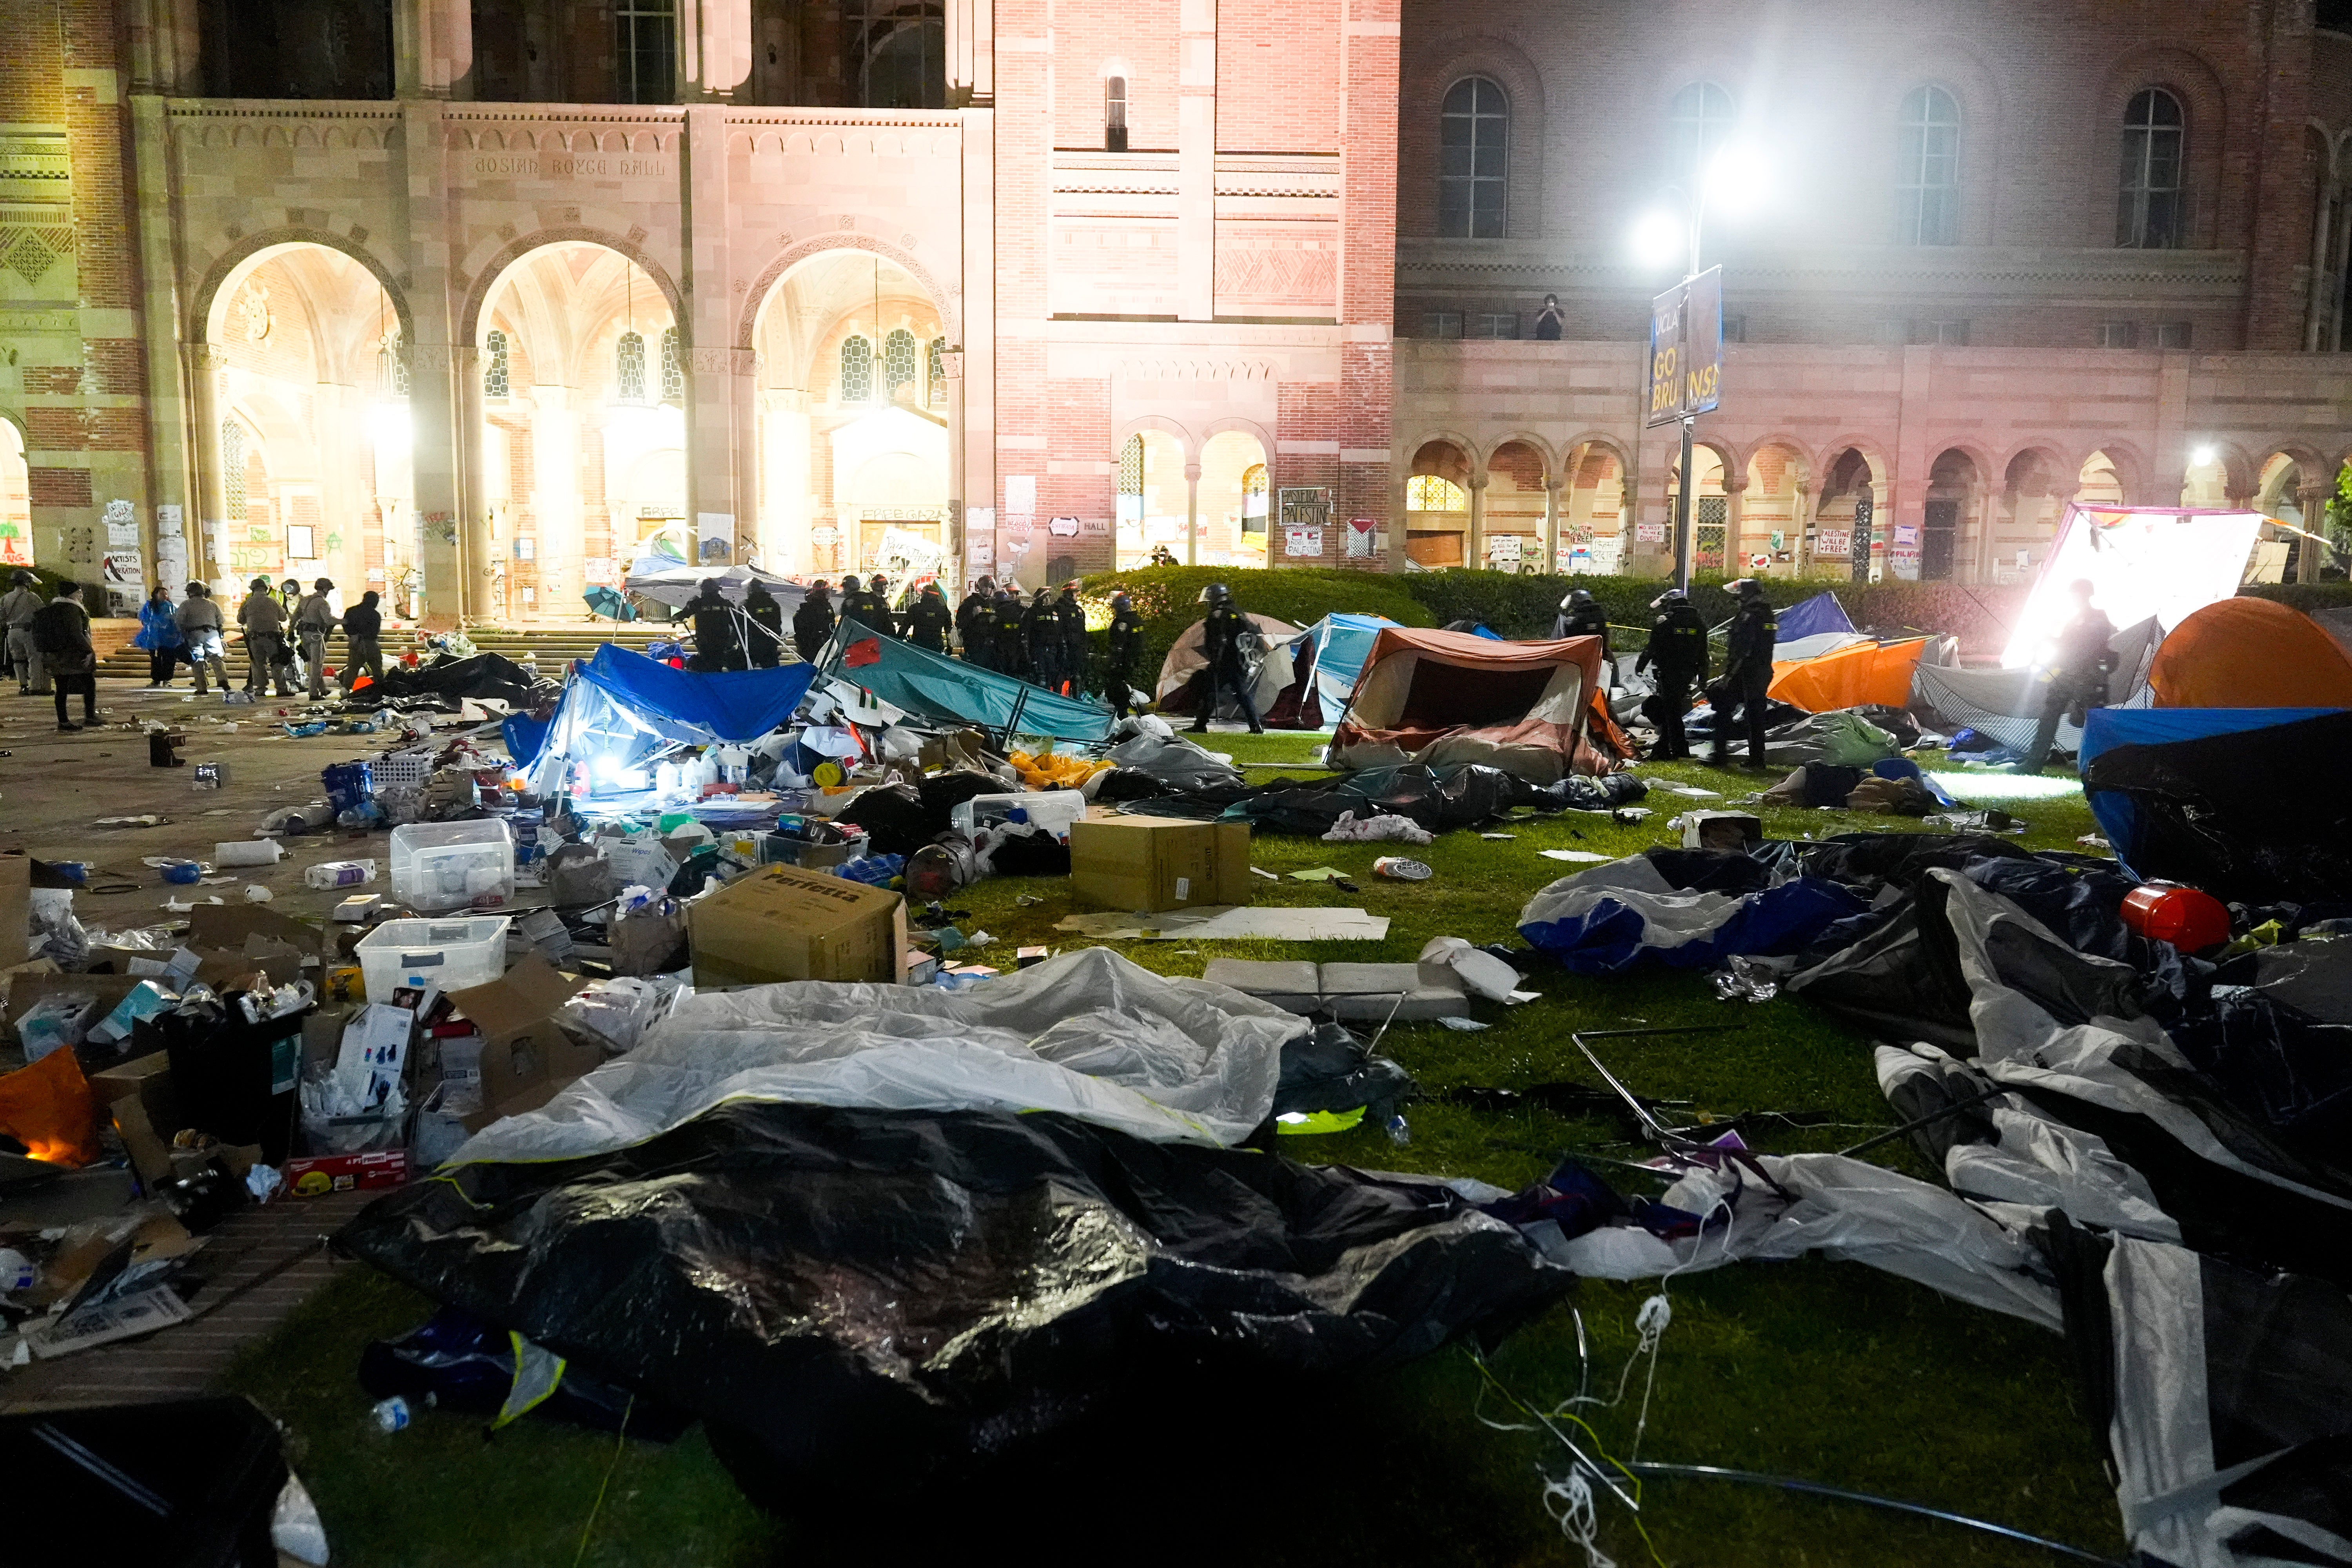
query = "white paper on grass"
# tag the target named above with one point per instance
(1452, 959)
(2139, 562)
(1089, 1033)
(1576, 856)
(1272, 923)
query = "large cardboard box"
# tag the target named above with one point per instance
(146, 1112)
(526, 1054)
(780, 922)
(16, 910)
(1151, 863)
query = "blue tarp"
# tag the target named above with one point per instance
(1617, 917)
(1342, 642)
(2105, 728)
(728, 705)
(1820, 613)
(938, 686)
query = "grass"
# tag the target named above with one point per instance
(1828, 1371)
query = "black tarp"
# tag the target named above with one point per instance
(1457, 794)
(481, 675)
(2255, 815)
(856, 1294)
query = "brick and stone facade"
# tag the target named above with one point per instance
(1041, 287)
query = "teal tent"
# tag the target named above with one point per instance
(936, 686)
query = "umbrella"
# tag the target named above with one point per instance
(610, 603)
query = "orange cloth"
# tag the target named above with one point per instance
(2251, 653)
(48, 1108)
(1866, 673)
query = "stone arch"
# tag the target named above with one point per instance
(755, 298)
(1463, 446)
(2238, 470)
(486, 281)
(1881, 467)
(1250, 428)
(1170, 428)
(2130, 464)
(232, 265)
(1533, 443)
(1603, 439)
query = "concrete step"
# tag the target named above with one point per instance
(550, 646)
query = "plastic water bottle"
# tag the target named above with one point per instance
(1400, 1134)
(392, 1415)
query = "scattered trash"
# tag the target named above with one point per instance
(1465, 1024)
(392, 1415)
(1576, 856)
(1399, 869)
(1741, 979)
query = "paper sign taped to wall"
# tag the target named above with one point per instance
(1649, 533)
(1302, 542)
(1021, 494)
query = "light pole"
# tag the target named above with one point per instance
(1735, 174)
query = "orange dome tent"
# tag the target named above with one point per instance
(2251, 653)
(1851, 677)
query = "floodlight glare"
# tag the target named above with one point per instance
(2203, 455)
(1660, 237)
(1737, 179)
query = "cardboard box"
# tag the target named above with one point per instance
(1151, 863)
(526, 1056)
(146, 1112)
(316, 1175)
(780, 922)
(16, 910)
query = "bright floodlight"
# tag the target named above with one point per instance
(1660, 237)
(1737, 179)
(2203, 455)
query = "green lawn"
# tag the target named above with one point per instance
(1827, 1370)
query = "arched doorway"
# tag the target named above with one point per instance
(1847, 518)
(1772, 511)
(307, 442)
(852, 418)
(1437, 506)
(16, 498)
(581, 443)
(1232, 500)
(1951, 523)
(1592, 536)
(1710, 515)
(1515, 508)
(1152, 497)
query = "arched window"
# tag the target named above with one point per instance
(2150, 205)
(1130, 466)
(232, 470)
(1927, 169)
(897, 362)
(1471, 155)
(1114, 114)
(1698, 122)
(1434, 492)
(1254, 499)
(497, 378)
(936, 367)
(857, 369)
(673, 369)
(629, 368)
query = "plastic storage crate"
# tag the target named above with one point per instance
(453, 954)
(453, 865)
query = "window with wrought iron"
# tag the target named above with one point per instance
(1130, 466)
(1114, 114)
(1698, 122)
(629, 368)
(673, 368)
(233, 468)
(1472, 157)
(897, 362)
(645, 51)
(936, 367)
(857, 369)
(1927, 169)
(2150, 202)
(496, 377)
(896, 53)
(1434, 492)
(391, 364)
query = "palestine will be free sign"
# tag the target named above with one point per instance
(1686, 348)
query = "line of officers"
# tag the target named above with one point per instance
(1042, 641)
(1678, 653)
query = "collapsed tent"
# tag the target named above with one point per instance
(2165, 563)
(674, 584)
(863, 1228)
(957, 692)
(1325, 661)
(2006, 704)
(1812, 627)
(1269, 667)
(620, 707)
(1863, 673)
(448, 682)
(1680, 908)
(1437, 696)
(2174, 788)
(1088, 1033)
(2251, 653)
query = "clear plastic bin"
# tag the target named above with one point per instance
(1053, 810)
(453, 954)
(453, 865)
